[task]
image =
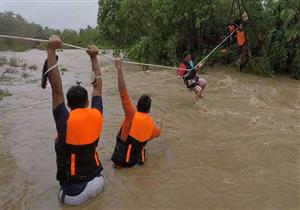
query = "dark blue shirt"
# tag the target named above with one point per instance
(61, 115)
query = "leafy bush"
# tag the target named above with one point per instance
(63, 69)
(32, 67)
(42, 46)
(261, 65)
(277, 56)
(296, 65)
(24, 66)
(3, 60)
(13, 62)
(4, 93)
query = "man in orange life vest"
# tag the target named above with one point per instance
(243, 50)
(78, 165)
(136, 129)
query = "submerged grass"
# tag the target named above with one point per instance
(4, 93)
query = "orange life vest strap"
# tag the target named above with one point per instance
(128, 153)
(97, 159)
(73, 164)
(143, 155)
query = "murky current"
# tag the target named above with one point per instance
(238, 148)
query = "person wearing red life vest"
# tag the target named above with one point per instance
(188, 72)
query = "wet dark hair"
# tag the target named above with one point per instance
(144, 104)
(186, 53)
(77, 97)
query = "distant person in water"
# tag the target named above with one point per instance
(136, 129)
(188, 72)
(78, 131)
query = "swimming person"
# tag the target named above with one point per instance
(78, 132)
(136, 129)
(188, 72)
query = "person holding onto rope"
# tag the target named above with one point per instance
(78, 132)
(188, 72)
(243, 49)
(136, 129)
(230, 29)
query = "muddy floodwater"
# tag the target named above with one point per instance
(238, 148)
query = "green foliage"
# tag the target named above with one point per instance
(159, 31)
(261, 65)
(296, 65)
(24, 66)
(277, 55)
(69, 36)
(16, 25)
(13, 62)
(4, 93)
(32, 67)
(3, 60)
(63, 69)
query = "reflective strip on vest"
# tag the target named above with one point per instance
(97, 159)
(73, 159)
(143, 155)
(128, 153)
(142, 127)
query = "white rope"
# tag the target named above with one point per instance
(82, 48)
(206, 57)
(112, 58)
(50, 69)
(47, 101)
(203, 60)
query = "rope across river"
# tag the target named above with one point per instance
(124, 61)
(111, 58)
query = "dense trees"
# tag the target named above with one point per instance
(16, 25)
(160, 30)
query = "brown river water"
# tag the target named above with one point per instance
(238, 148)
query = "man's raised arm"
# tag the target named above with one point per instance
(126, 102)
(97, 83)
(121, 81)
(54, 75)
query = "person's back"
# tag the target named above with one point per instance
(78, 132)
(136, 130)
(83, 128)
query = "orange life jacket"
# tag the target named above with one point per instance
(132, 151)
(77, 159)
(240, 37)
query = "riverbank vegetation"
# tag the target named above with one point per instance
(15, 25)
(158, 31)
